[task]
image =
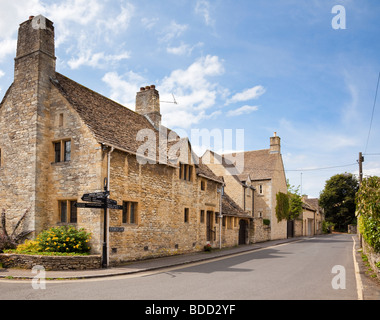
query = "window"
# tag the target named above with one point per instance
(261, 189)
(203, 185)
(68, 211)
(185, 171)
(62, 151)
(129, 215)
(202, 216)
(186, 215)
(61, 120)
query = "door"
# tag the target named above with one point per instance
(290, 229)
(243, 232)
(310, 227)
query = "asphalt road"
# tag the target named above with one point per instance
(292, 271)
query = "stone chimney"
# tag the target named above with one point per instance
(275, 144)
(35, 57)
(148, 105)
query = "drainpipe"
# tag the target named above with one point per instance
(221, 190)
(108, 188)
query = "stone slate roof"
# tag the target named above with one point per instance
(258, 165)
(113, 124)
(231, 208)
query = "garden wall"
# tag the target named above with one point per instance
(373, 257)
(54, 263)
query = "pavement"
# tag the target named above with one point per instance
(142, 266)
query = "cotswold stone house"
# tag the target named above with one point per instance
(60, 140)
(254, 187)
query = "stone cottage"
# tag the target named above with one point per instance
(254, 186)
(60, 140)
(309, 222)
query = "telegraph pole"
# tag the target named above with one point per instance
(360, 161)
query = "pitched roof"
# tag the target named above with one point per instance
(231, 208)
(258, 165)
(110, 122)
(113, 124)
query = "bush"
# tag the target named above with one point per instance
(64, 239)
(29, 246)
(368, 210)
(266, 222)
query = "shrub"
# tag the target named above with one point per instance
(207, 247)
(266, 222)
(29, 246)
(64, 239)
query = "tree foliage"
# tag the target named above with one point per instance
(289, 205)
(338, 200)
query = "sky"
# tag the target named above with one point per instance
(307, 70)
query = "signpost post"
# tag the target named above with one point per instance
(100, 200)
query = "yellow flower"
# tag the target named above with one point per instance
(64, 244)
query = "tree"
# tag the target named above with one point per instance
(289, 205)
(338, 200)
(10, 241)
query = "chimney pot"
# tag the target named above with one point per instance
(153, 86)
(31, 17)
(142, 89)
(147, 88)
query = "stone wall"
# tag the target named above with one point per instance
(50, 262)
(259, 231)
(372, 256)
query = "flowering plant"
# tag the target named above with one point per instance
(208, 247)
(64, 239)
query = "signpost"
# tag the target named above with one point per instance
(100, 200)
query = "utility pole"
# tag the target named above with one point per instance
(360, 161)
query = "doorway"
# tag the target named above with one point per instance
(243, 232)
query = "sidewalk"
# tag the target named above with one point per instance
(141, 266)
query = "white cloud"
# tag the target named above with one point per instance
(242, 110)
(124, 88)
(2, 74)
(183, 49)
(174, 30)
(248, 94)
(96, 60)
(194, 92)
(203, 8)
(149, 23)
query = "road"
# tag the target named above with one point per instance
(292, 271)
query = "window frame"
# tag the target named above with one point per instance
(62, 150)
(71, 214)
(126, 215)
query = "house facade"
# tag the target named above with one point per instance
(60, 140)
(253, 184)
(309, 222)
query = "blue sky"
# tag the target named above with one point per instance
(258, 65)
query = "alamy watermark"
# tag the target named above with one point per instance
(339, 21)
(339, 281)
(39, 280)
(167, 148)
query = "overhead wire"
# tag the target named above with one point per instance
(373, 113)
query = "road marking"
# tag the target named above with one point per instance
(359, 285)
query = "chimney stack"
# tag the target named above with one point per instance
(35, 49)
(275, 144)
(148, 104)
